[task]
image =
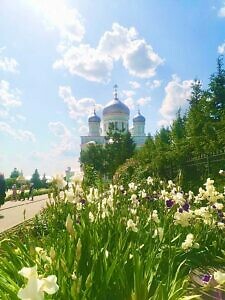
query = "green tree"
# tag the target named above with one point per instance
(196, 92)
(44, 183)
(35, 179)
(198, 122)
(119, 147)
(15, 173)
(105, 159)
(217, 104)
(94, 156)
(217, 91)
(179, 147)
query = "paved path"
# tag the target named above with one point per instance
(12, 213)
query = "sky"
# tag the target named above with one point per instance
(59, 59)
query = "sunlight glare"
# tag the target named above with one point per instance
(58, 15)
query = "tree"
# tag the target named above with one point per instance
(198, 121)
(44, 182)
(35, 179)
(179, 145)
(196, 93)
(119, 147)
(105, 159)
(178, 129)
(15, 173)
(94, 156)
(217, 91)
(217, 103)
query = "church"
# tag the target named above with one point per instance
(115, 115)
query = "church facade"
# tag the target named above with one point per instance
(115, 115)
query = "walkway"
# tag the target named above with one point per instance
(13, 213)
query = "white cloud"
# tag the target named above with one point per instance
(134, 84)
(26, 135)
(221, 12)
(46, 163)
(221, 49)
(83, 129)
(128, 93)
(96, 64)
(59, 129)
(144, 101)
(154, 84)
(164, 123)
(20, 117)
(130, 102)
(4, 114)
(177, 93)
(66, 145)
(86, 62)
(114, 43)
(7, 129)
(57, 15)
(8, 97)
(77, 108)
(8, 64)
(18, 134)
(138, 57)
(140, 60)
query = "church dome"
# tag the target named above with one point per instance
(115, 106)
(139, 118)
(94, 118)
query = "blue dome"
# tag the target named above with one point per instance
(115, 106)
(94, 118)
(139, 118)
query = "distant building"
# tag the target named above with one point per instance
(115, 115)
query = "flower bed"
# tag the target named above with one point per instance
(142, 242)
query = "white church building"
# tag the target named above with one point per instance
(115, 115)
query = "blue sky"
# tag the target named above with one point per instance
(60, 58)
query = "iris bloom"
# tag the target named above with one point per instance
(219, 277)
(35, 287)
(59, 181)
(131, 225)
(206, 278)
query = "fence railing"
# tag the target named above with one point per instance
(206, 165)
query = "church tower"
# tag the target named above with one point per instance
(94, 125)
(115, 114)
(138, 130)
(139, 125)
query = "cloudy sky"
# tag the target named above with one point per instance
(60, 58)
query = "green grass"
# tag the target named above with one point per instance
(105, 260)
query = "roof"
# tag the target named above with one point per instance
(139, 118)
(94, 118)
(115, 106)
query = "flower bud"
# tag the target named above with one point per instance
(69, 225)
(78, 250)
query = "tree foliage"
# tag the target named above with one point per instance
(105, 159)
(35, 179)
(15, 173)
(200, 131)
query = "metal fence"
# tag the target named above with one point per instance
(201, 166)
